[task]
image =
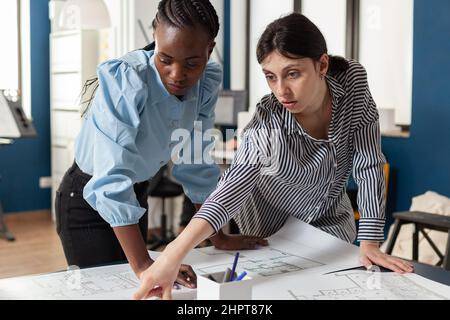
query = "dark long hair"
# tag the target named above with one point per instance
(295, 36)
(177, 13)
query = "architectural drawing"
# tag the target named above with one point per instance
(353, 285)
(389, 286)
(295, 265)
(113, 282)
(264, 262)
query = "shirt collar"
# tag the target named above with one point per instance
(337, 92)
(159, 91)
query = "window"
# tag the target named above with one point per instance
(262, 12)
(330, 17)
(377, 33)
(14, 58)
(9, 35)
(386, 51)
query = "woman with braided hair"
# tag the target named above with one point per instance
(140, 99)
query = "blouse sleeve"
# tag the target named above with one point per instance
(115, 113)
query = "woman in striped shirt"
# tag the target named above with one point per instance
(296, 155)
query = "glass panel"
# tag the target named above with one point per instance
(386, 37)
(9, 55)
(262, 12)
(330, 17)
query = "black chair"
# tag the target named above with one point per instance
(165, 188)
(421, 221)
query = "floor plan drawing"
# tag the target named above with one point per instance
(299, 263)
(113, 282)
(354, 285)
(265, 263)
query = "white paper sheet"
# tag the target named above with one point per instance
(116, 282)
(351, 285)
(293, 266)
(297, 247)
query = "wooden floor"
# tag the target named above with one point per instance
(37, 248)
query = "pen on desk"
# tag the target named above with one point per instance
(233, 270)
(241, 276)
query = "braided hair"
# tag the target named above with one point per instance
(177, 13)
(182, 13)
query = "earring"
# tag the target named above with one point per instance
(322, 76)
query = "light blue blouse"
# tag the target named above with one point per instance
(126, 135)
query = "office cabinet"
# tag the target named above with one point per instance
(73, 60)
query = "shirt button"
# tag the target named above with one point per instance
(72, 194)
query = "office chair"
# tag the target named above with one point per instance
(165, 188)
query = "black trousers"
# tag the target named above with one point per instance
(87, 239)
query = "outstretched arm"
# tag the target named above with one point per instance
(159, 278)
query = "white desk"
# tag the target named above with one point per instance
(296, 265)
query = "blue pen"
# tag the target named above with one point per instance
(241, 276)
(233, 270)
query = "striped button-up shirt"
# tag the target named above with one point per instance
(280, 170)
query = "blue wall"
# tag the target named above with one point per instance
(422, 162)
(22, 164)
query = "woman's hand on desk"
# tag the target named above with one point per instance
(224, 241)
(371, 254)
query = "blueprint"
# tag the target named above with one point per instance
(352, 285)
(297, 247)
(105, 283)
(295, 265)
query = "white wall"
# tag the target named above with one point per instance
(9, 55)
(262, 12)
(238, 44)
(386, 51)
(330, 17)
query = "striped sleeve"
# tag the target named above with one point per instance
(238, 181)
(368, 162)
